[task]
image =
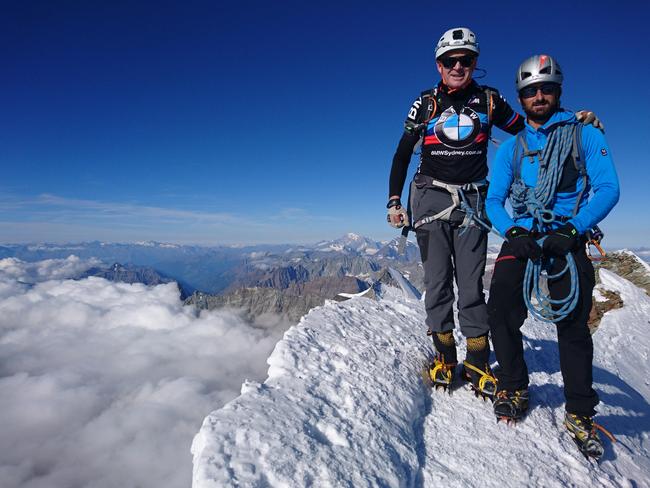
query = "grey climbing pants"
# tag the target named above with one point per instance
(447, 255)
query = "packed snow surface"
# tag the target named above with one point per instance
(345, 405)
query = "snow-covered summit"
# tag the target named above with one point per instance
(344, 405)
(350, 242)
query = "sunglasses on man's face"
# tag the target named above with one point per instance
(531, 91)
(465, 61)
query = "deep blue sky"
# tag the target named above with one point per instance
(250, 121)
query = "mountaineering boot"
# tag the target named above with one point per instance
(476, 368)
(510, 406)
(583, 431)
(441, 371)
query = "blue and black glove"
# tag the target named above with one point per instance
(562, 240)
(522, 244)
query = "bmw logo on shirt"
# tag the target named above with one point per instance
(458, 130)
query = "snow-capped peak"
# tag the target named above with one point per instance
(350, 242)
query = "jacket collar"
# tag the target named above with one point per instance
(470, 88)
(560, 117)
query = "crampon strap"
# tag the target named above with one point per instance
(485, 376)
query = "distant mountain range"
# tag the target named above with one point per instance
(280, 279)
(218, 268)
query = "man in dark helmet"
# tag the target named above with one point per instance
(547, 173)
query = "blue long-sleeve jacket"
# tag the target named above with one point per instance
(603, 181)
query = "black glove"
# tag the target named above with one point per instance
(523, 246)
(562, 240)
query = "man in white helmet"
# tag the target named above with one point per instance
(547, 173)
(453, 121)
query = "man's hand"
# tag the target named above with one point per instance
(587, 117)
(523, 246)
(562, 240)
(397, 216)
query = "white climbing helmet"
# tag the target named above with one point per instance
(538, 68)
(458, 38)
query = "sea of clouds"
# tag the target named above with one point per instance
(104, 384)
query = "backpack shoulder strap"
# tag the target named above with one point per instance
(429, 104)
(521, 151)
(577, 151)
(489, 96)
(578, 155)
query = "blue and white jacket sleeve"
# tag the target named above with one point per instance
(500, 181)
(602, 180)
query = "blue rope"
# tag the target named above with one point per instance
(471, 213)
(538, 201)
(550, 310)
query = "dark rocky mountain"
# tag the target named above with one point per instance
(303, 277)
(127, 274)
(291, 302)
(130, 273)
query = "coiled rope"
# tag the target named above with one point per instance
(538, 202)
(547, 309)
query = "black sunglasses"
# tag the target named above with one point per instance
(546, 88)
(465, 61)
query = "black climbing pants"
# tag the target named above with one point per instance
(507, 312)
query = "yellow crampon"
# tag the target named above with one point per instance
(441, 373)
(485, 378)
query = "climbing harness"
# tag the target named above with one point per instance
(459, 202)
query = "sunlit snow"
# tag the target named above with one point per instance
(344, 405)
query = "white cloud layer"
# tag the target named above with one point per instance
(104, 384)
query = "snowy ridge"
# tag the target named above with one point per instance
(407, 288)
(340, 406)
(344, 405)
